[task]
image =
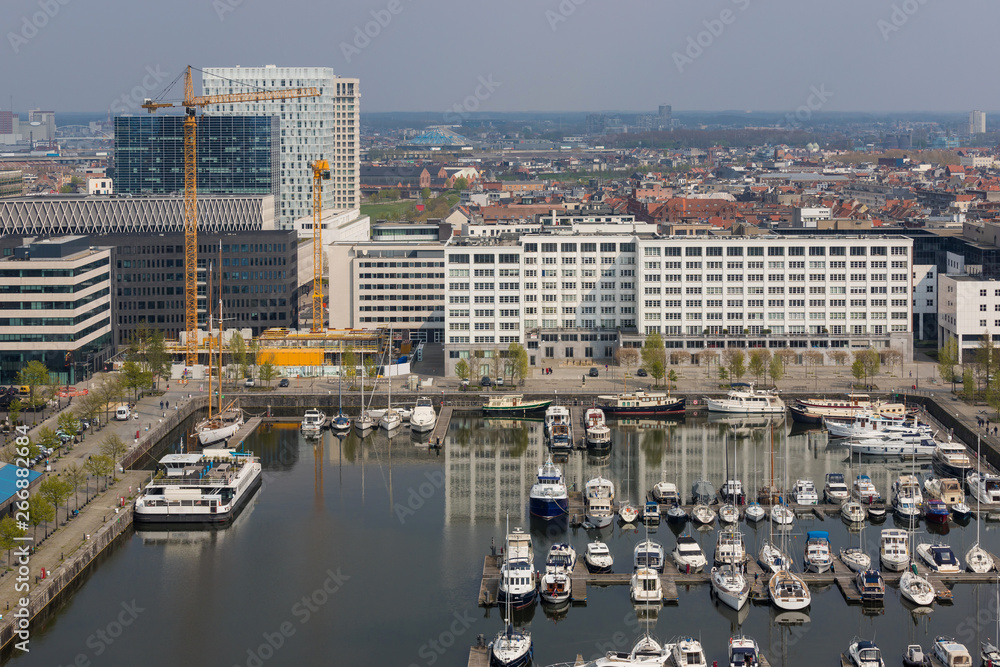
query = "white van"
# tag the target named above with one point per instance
(122, 413)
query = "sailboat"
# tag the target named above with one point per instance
(730, 586)
(341, 422)
(628, 512)
(510, 648)
(978, 559)
(754, 512)
(988, 651)
(226, 422)
(732, 490)
(787, 590)
(391, 420)
(855, 558)
(364, 422)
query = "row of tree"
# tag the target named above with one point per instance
(979, 372)
(510, 364)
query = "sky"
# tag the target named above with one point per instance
(520, 55)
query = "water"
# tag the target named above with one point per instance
(372, 554)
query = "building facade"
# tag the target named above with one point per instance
(969, 308)
(11, 183)
(977, 122)
(325, 127)
(56, 306)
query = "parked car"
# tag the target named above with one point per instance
(593, 372)
(248, 382)
(283, 383)
(641, 373)
(498, 382)
(64, 436)
(485, 381)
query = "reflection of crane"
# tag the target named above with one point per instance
(321, 172)
(190, 102)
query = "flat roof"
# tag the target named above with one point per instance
(8, 480)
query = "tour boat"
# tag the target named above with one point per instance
(852, 512)
(513, 405)
(771, 558)
(646, 587)
(805, 492)
(864, 653)
(600, 496)
(688, 652)
(641, 404)
(935, 511)
(835, 490)
(548, 498)
(742, 398)
(894, 550)
(914, 656)
(984, 487)
(313, 421)
(889, 445)
(743, 652)
(731, 586)
(947, 489)
(598, 557)
(211, 489)
(788, 591)
(648, 554)
(865, 491)
(951, 460)
(555, 587)
(946, 652)
(688, 556)
(939, 558)
(817, 557)
(871, 585)
(423, 418)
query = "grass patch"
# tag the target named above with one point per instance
(397, 210)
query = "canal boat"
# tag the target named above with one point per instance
(730, 586)
(424, 418)
(313, 421)
(894, 550)
(648, 553)
(817, 557)
(646, 587)
(742, 398)
(513, 405)
(870, 585)
(687, 652)
(951, 460)
(939, 558)
(212, 490)
(805, 492)
(914, 656)
(548, 498)
(946, 652)
(641, 404)
(864, 653)
(835, 490)
(600, 496)
(598, 558)
(743, 652)
(688, 556)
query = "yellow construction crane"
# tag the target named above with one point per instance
(321, 172)
(190, 103)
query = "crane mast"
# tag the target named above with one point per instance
(321, 172)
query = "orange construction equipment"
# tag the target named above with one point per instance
(321, 172)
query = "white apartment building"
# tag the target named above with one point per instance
(312, 128)
(977, 122)
(968, 307)
(925, 301)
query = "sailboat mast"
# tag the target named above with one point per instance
(220, 329)
(209, 340)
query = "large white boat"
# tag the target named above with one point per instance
(891, 445)
(817, 557)
(598, 557)
(729, 548)
(782, 516)
(646, 586)
(863, 653)
(805, 492)
(731, 586)
(864, 490)
(939, 558)
(788, 591)
(648, 554)
(868, 423)
(645, 653)
(835, 490)
(391, 419)
(951, 459)
(906, 497)
(665, 492)
(984, 487)
(744, 399)
(423, 418)
(852, 512)
(687, 652)
(555, 414)
(688, 556)
(600, 497)
(946, 652)
(894, 550)
(220, 427)
(313, 421)
(209, 489)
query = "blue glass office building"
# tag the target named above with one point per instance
(236, 155)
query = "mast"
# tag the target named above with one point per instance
(210, 340)
(220, 330)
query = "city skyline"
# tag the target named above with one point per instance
(693, 57)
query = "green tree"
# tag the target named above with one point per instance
(114, 448)
(158, 359)
(870, 363)
(46, 437)
(462, 369)
(99, 466)
(734, 359)
(759, 359)
(858, 369)
(55, 490)
(947, 358)
(14, 411)
(968, 382)
(349, 363)
(425, 194)
(672, 378)
(776, 369)
(986, 360)
(268, 371)
(723, 374)
(371, 368)
(517, 363)
(40, 511)
(237, 356)
(34, 375)
(75, 476)
(133, 378)
(654, 356)
(9, 532)
(89, 406)
(253, 351)
(461, 183)
(68, 423)
(110, 392)
(708, 357)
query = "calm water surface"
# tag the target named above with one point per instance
(371, 553)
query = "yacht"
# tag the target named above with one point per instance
(864, 653)
(593, 417)
(645, 653)
(221, 427)
(868, 423)
(512, 405)
(946, 652)
(729, 513)
(744, 652)
(856, 559)
(555, 414)
(906, 497)
(598, 558)
(641, 404)
(947, 489)
(340, 423)
(517, 584)
(519, 546)
(984, 487)
(648, 554)
(914, 656)
(210, 489)
(596, 429)
(894, 550)
(646, 586)
(687, 652)
(423, 419)
(548, 498)
(729, 548)
(313, 421)
(365, 422)
(562, 437)
(871, 585)
(703, 514)
(951, 460)
(916, 589)
(628, 512)
(865, 491)
(730, 586)
(600, 496)
(852, 512)
(702, 491)
(876, 512)
(561, 558)
(744, 399)
(651, 513)
(978, 560)
(813, 410)
(889, 445)
(939, 558)
(782, 516)
(732, 492)
(688, 556)
(555, 587)
(665, 492)
(788, 591)
(935, 511)
(676, 514)
(805, 492)
(391, 419)
(754, 512)
(835, 490)
(771, 558)
(817, 557)
(511, 648)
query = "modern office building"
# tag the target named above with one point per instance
(968, 309)
(977, 122)
(56, 307)
(325, 127)
(11, 183)
(236, 155)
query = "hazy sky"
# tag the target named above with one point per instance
(546, 55)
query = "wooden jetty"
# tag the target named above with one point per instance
(441, 427)
(245, 432)
(479, 656)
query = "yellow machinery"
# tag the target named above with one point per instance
(321, 172)
(190, 103)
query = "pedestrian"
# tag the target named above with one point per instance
(161, 405)
(168, 405)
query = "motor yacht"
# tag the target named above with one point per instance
(865, 491)
(817, 557)
(313, 421)
(744, 652)
(646, 586)
(939, 558)
(665, 492)
(517, 584)
(600, 496)
(935, 511)
(651, 512)
(561, 558)
(688, 556)
(548, 498)
(835, 490)
(871, 585)
(598, 558)
(688, 652)
(914, 656)
(864, 653)
(423, 419)
(555, 587)
(894, 550)
(946, 489)
(648, 554)
(805, 492)
(729, 548)
(951, 460)
(984, 487)
(852, 512)
(742, 398)
(946, 652)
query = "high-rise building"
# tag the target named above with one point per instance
(41, 125)
(312, 128)
(237, 155)
(977, 122)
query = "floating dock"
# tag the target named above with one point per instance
(441, 427)
(245, 432)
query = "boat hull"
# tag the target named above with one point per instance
(422, 426)
(517, 600)
(216, 519)
(548, 508)
(677, 407)
(218, 434)
(532, 407)
(803, 416)
(724, 405)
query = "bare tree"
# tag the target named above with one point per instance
(708, 357)
(839, 357)
(788, 356)
(812, 358)
(678, 357)
(627, 357)
(891, 357)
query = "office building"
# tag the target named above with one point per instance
(56, 303)
(977, 122)
(236, 155)
(312, 128)
(11, 183)
(968, 309)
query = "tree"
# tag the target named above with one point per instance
(654, 356)
(968, 382)
(158, 359)
(870, 363)
(734, 360)
(46, 437)
(348, 362)
(55, 491)
(627, 357)
(812, 358)
(708, 357)
(268, 371)
(759, 359)
(14, 411)
(788, 356)
(517, 363)
(99, 466)
(253, 351)
(678, 357)
(986, 360)
(462, 369)
(35, 374)
(461, 183)
(75, 476)
(496, 363)
(858, 369)
(40, 511)
(891, 358)
(9, 532)
(425, 194)
(776, 368)
(723, 374)
(371, 368)
(475, 361)
(69, 424)
(89, 406)
(237, 355)
(133, 378)
(114, 448)
(672, 378)
(839, 357)
(947, 358)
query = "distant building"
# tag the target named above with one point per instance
(11, 184)
(99, 186)
(41, 126)
(977, 122)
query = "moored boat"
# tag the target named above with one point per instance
(864, 653)
(946, 652)
(598, 558)
(951, 460)
(423, 418)
(730, 586)
(514, 405)
(871, 585)
(548, 498)
(641, 404)
(894, 550)
(688, 556)
(742, 398)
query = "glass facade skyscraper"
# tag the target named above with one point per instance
(237, 155)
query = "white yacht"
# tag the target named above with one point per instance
(598, 558)
(891, 445)
(951, 459)
(646, 586)
(835, 490)
(423, 418)
(731, 586)
(645, 653)
(939, 558)
(220, 427)
(687, 652)
(865, 491)
(852, 512)
(555, 587)
(945, 489)
(867, 423)
(805, 492)
(916, 589)
(555, 414)
(744, 399)
(744, 652)
(817, 557)
(600, 497)
(754, 512)
(511, 648)
(788, 591)
(665, 492)
(863, 653)
(894, 550)
(984, 487)
(856, 559)
(596, 429)
(703, 514)
(628, 512)
(517, 584)
(519, 546)
(313, 421)
(729, 513)
(782, 516)
(211, 489)
(391, 419)
(771, 558)
(688, 556)
(561, 558)
(946, 652)
(648, 554)
(729, 548)
(906, 497)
